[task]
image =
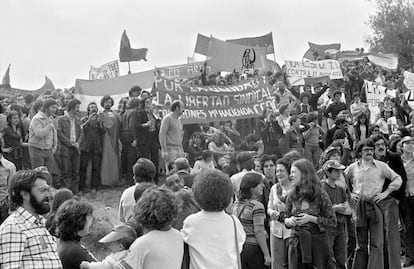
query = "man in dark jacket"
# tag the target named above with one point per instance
(69, 132)
(129, 139)
(271, 133)
(90, 146)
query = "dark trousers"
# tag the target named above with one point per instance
(338, 245)
(150, 150)
(129, 158)
(252, 257)
(351, 241)
(408, 221)
(320, 252)
(4, 210)
(371, 234)
(70, 170)
(18, 162)
(392, 242)
(272, 150)
(96, 169)
(42, 157)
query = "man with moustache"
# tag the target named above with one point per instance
(367, 177)
(171, 134)
(392, 242)
(24, 240)
(43, 136)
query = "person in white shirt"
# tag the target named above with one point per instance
(161, 246)
(215, 239)
(144, 171)
(206, 162)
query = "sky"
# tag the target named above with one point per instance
(63, 38)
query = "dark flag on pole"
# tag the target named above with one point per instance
(126, 54)
(6, 77)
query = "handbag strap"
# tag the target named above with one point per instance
(237, 243)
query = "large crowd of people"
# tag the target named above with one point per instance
(316, 183)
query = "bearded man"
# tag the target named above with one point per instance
(24, 240)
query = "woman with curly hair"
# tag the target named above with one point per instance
(251, 214)
(161, 246)
(110, 152)
(73, 220)
(309, 213)
(211, 234)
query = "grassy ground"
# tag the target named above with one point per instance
(105, 205)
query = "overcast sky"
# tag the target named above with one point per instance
(63, 38)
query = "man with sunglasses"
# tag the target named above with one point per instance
(368, 177)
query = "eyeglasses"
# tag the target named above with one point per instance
(367, 149)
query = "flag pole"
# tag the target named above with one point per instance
(129, 69)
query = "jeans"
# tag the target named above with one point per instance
(408, 219)
(337, 244)
(313, 154)
(351, 241)
(150, 151)
(279, 251)
(96, 169)
(320, 252)
(392, 242)
(42, 157)
(252, 257)
(374, 230)
(70, 170)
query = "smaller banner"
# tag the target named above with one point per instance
(409, 80)
(297, 71)
(189, 70)
(316, 51)
(375, 93)
(216, 103)
(108, 70)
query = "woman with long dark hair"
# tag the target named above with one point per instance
(309, 214)
(13, 139)
(251, 213)
(73, 221)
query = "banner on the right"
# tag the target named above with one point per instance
(297, 71)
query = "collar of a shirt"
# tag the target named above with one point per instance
(373, 162)
(29, 217)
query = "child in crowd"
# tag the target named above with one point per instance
(333, 171)
(206, 161)
(118, 242)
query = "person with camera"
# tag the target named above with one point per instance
(90, 145)
(271, 133)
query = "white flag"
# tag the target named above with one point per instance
(108, 70)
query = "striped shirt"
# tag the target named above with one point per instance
(26, 243)
(251, 214)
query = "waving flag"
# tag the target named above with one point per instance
(320, 52)
(127, 54)
(265, 41)
(6, 77)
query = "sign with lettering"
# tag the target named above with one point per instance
(375, 93)
(296, 71)
(183, 70)
(409, 80)
(216, 103)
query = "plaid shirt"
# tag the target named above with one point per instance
(25, 243)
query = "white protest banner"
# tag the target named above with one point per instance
(297, 71)
(409, 80)
(375, 93)
(108, 70)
